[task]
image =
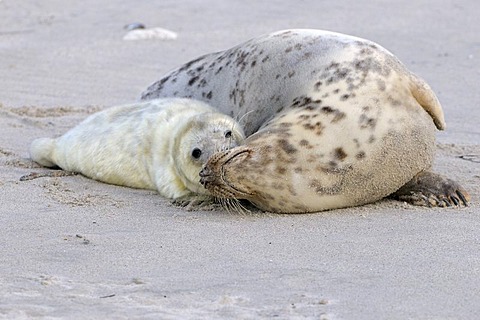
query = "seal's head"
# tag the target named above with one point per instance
(248, 172)
(216, 175)
(202, 136)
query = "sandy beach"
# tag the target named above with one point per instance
(75, 248)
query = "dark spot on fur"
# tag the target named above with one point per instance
(192, 80)
(336, 91)
(285, 124)
(291, 190)
(340, 154)
(316, 127)
(277, 186)
(304, 117)
(341, 73)
(189, 64)
(333, 65)
(267, 197)
(254, 62)
(394, 102)
(317, 86)
(281, 170)
(327, 109)
(289, 49)
(164, 80)
(301, 101)
(286, 146)
(366, 51)
(241, 59)
(202, 83)
(304, 143)
(291, 74)
(367, 122)
(356, 142)
(337, 114)
(360, 155)
(209, 95)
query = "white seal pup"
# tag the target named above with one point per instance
(159, 144)
(338, 121)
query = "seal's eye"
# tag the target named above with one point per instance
(196, 153)
(228, 134)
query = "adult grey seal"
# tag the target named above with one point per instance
(159, 144)
(333, 121)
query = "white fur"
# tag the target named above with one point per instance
(143, 145)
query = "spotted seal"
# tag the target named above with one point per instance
(333, 121)
(159, 144)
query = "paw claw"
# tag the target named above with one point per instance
(455, 200)
(462, 197)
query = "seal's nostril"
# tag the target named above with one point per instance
(204, 172)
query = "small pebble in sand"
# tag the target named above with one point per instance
(134, 26)
(150, 33)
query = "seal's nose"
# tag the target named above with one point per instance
(206, 176)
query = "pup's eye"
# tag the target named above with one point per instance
(228, 134)
(196, 153)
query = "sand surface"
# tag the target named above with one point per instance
(73, 248)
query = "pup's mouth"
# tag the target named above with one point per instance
(213, 175)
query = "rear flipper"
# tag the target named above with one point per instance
(432, 190)
(41, 151)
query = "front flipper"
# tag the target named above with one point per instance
(432, 190)
(193, 202)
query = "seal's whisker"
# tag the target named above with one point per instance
(233, 205)
(244, 116)
(239, 207)
(222, 203)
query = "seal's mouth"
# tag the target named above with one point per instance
(214, 178)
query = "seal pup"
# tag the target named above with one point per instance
(159, 144)
(336, 121)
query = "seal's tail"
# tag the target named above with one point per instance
(422, 92)
(41, 151)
